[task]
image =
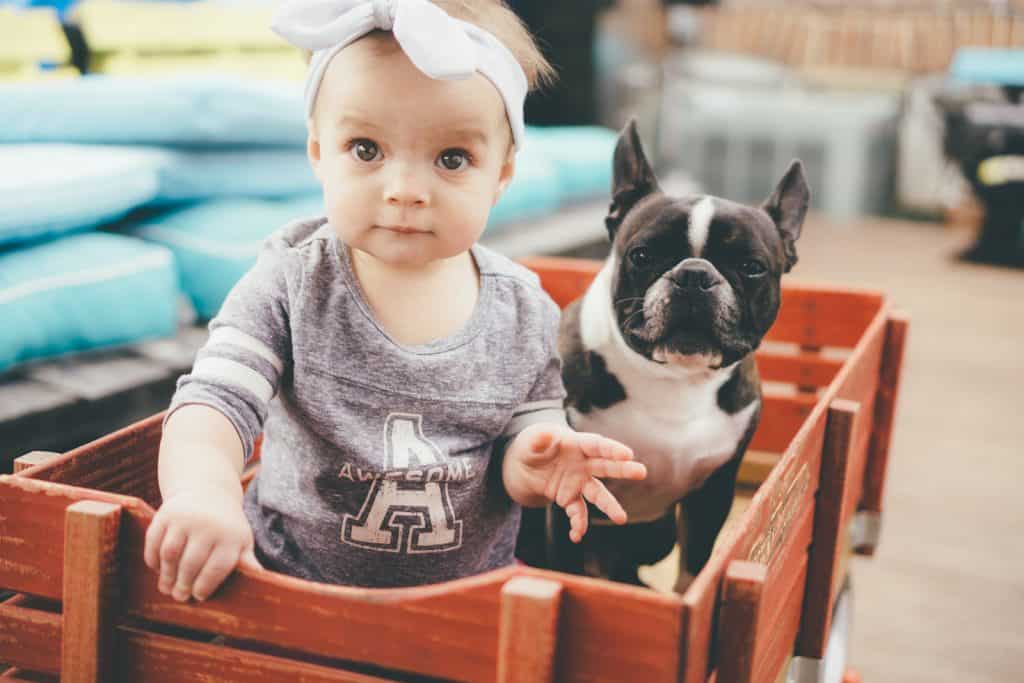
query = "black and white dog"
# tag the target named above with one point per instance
(658, 354)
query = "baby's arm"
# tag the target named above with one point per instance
(199, 533)
(551, 462)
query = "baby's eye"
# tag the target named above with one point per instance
(454, 159)
(364, 150)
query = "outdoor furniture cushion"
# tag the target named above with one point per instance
(215, 242)
(48, 189)
(582, 156)
(83, 292)
(188, 109)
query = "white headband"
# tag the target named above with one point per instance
(437, 44)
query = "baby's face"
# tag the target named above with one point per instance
(410, 165)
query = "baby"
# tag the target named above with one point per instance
(417, 383)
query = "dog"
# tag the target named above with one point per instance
(658, 354)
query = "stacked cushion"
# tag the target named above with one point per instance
(52, 189)
(177, 110)
(82, 292)
(215, 242)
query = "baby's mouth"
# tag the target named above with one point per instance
(403, 229)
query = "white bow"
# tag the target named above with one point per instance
(437, 44)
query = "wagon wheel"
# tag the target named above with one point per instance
(833, 665)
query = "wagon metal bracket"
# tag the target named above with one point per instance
(865, 531)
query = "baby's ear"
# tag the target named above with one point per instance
(508, 170)
(313, 150)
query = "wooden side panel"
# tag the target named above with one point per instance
(447, 631)
(820, 316)
(828, 526)
(742, 590)
(802, 369)
(29, 638)
(156, 658)
(781, 419)
(90, 579)
(564, 279)
(769, 521)
(123, 462)
(774, 532)
(528, 638)
(884, 412)
(32, 531)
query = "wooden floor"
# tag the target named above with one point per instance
(943, 599)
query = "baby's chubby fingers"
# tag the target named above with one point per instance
(597, 446)
(171, 548)
(616, 469)
(154, 540)
(599, 495)
(578, 516)
(196, 556)
(222, 561)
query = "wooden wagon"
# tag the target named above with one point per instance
(82, 606)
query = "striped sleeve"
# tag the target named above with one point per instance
(545, 402)
(238, 370)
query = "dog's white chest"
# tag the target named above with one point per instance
(681, 438)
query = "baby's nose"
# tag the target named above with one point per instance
(407, 187)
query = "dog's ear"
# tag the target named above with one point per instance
(634, 177)
(787, 206)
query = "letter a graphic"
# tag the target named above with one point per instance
(411, 517)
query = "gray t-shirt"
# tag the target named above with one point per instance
(381, 463)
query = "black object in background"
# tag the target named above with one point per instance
(977, 133)
(564, 30)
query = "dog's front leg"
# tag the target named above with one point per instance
(703, 513)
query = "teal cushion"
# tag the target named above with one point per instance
(195, 174)
(534, 191)
(215, 242)
(582, 156)
(52, 189)
(83, 292)
(156, 110)
(988, 66)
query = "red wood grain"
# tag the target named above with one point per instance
(32, 531)
(528, 636)
(836, 468)
(154, 658)
(742, 589)
(803, 369)
(884, 413)
(90, 578)
(781, 419)
(29, 638)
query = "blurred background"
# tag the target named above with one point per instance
(147, 148)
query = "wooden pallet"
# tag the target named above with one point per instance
(57, 404)
(71, 532)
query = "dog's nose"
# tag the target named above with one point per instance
(694, 274)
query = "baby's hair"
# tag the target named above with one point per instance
(497, 19)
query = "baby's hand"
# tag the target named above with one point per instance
(195, 540)
(562, 465)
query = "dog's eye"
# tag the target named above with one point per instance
(752, 268)
(639, 257)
